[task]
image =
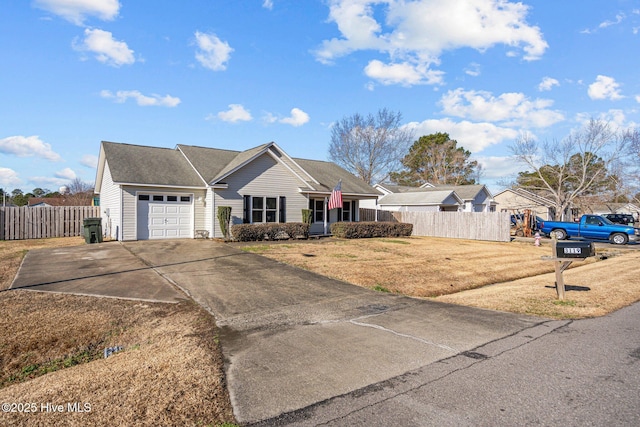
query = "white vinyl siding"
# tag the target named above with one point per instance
(110, 205)
(263, 177)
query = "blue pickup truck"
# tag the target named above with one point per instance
(592, 227)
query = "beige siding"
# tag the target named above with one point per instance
(129, 212)
(199, 207)
(263, 177)
(110, 205)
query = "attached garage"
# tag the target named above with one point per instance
(164, 216)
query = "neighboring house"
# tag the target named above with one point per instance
(58, 201)
(466, 198)
(155, 193)
(516, 200)
(619, 208)
(430, 201)
(475, 197)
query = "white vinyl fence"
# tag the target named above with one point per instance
(43, 222)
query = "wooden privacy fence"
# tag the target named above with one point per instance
(43, 221)
(370, 215)
(492, 226)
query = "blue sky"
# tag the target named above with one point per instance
(236, 74)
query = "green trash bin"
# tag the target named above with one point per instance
(93, 230)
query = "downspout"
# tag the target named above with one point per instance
(326, 212)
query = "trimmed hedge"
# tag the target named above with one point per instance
(360, 230)
(272, 231)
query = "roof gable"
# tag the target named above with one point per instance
(414, 198)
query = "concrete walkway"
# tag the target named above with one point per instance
(292, 338)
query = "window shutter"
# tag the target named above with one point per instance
(246, 216)
(354, 207)
(283, 209)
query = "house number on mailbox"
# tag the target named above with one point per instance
(572, 250)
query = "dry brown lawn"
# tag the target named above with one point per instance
(170, 371)
(500, 276)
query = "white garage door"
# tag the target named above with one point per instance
(165, 216)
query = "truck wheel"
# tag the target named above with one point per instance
(560, 234)
(619, 239)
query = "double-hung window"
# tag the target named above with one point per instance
(264, 209)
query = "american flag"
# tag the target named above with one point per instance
(335, 201)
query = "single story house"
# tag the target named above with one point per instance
(430, 201)
(516, 200)
(619, 208)
(466, 198)
(157, 193)
(59, 201)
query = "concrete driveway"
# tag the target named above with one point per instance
(292, 338)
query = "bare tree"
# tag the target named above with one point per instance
(80, 192)
(371, 146)
(585, 163)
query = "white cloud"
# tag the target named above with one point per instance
(473, 69)
(513, 109)
(267, 4)
(420, 31)
(142, 100)
(66, 173)
(498, 167)
(608, 23)
(638, 99)
(89, 160)
(297, 118)
(28, 146)
(9, 178)
(474, 137)
(212, 52)
(106, 49)
(405, 74)
(76, 11)
(235, 113)
(46, 181)
(547, 84)
(605, 88)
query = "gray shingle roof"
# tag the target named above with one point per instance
(183, 166)
(136, 164)
(328, 174)
(417, 198)
(466, 192)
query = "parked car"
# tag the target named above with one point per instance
(625, 219)
(592, 227)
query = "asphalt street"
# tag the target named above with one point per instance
(583, 372)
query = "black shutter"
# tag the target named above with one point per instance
(246, 215)
(313, 212)
(283, 209)
(354, 206)
(339, 214)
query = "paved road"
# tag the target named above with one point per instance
(586, 372)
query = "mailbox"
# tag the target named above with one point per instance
(575, 249)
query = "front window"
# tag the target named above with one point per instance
(318, 214)
(271, 208)
(346, 211)
(265, 209)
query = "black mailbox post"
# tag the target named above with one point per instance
(564, 253)
(575, 249)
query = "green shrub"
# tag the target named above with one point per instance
(272, 231)
(307, 216)
(360, 230)
(224, 216)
